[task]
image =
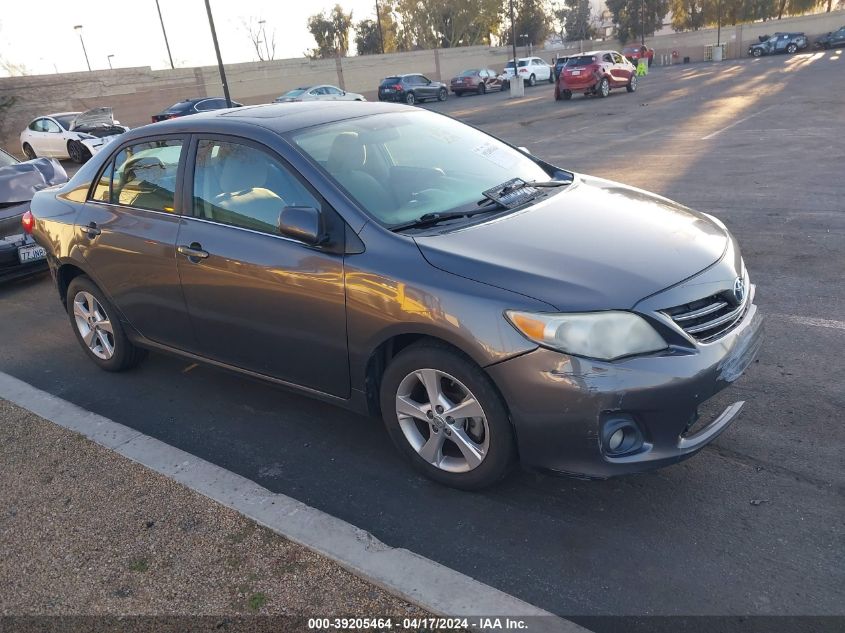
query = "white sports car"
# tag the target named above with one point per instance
(74, 135)
(323, 92)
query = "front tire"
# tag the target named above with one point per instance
(77, 152)
(98, 329)
(444, 415)
(792, 48)
(442, 94)
(756, 52)
(632, 84)
(482, 88)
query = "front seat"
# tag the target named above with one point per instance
(243, 180)
(347, 158)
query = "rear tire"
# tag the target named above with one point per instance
(93, 317)
(455, 379)
(29, 152)
(532, 80)
(410, 98)
(603, 89)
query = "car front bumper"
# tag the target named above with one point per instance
(563, 406)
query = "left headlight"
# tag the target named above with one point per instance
(602, 335)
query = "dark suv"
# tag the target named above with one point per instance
(411, 89)
(780, 43)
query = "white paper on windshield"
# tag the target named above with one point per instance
(500, 156)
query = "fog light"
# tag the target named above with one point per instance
(616, 440)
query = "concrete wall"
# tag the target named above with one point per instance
(137, 93)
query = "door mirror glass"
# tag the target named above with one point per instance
(303, 224)
(524, 150)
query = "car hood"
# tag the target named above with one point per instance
(18, 183)
(597, 245)
(96, 117)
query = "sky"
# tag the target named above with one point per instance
(45, 41)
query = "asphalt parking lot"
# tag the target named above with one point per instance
(753, 525)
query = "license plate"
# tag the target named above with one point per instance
(576, 72)
(387, 89)
(31, 253)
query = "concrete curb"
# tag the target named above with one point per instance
(424, 582)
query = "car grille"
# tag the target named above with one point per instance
(710, 318)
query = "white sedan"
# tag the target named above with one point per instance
(74, 135)
(319, 93)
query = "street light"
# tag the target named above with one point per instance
(78, 29)
(524, 38)
(642, 22)
(109, 58)
(264, 35)
(219, 58)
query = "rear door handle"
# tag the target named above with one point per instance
(91, 230)
(193, 252)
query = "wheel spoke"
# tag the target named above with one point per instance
(89, 337)
(79, 310)
(90, 303)
(432, 450)
(467, 408)
(105, 326)
(406, 406)
(108, 348)
(472, 452)
(431, 381)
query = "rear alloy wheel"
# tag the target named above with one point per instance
(532, 80)
(410, 99)
(30, 153)
(444, 414)
(98, 329)
(791, 48)
(442, 94)
(632, 84)
(603, 88)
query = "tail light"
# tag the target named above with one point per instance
(397, 86)
(28, 222)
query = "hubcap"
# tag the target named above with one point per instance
(94, 325)
(605, 88)
(442, 420)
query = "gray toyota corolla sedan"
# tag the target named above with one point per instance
(488, 305)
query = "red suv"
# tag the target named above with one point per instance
(595, 73)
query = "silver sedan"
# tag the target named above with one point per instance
(324, 92)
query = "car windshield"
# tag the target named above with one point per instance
(400, 166)
(581, 60)
(66, 120)
(469, 73)
(7, 159)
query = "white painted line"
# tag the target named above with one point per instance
(728, 127)
(813, 321)
(432, 586)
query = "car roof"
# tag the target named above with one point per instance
(280, 118)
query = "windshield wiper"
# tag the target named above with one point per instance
(430, 219)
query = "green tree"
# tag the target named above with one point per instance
(634, 17)
(447, 23)
(532, 23)
(367, 35)
(687, 15)
(331, 32)
(575, 15)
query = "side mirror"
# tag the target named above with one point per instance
(303, 224)
(343, 92)
(524, 150)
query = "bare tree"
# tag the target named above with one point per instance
(263, 41)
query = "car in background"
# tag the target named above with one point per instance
(487, 305)
(560, 62)
(19, 254)
(411, 88)
(73, 135)
(596, 73)
(832, 39)
(635, 53)
(324, 92)
(531, 69)
(475, 80)
(780, 43)
(193, 106)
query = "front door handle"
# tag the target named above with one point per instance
(91, 230)
(193, 252)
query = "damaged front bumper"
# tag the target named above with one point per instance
(565, 409)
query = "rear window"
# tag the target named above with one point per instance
(581, 60)
(389, 81)
(509, 65)
(468, 73)
(523, 62)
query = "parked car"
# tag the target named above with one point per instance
(476, 80)
(19, 254)
(832, 39)
(596, 73)
(531, 69)
(780, 43)
(73, 135)
(398, 262)
(560, 62)
(324, 92)
(412, 88)
(193, 106)
(634, 53)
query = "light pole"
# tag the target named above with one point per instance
(78, 29)
(264, 35)
(219, 58)
(109, 58)
(166, 43)
(380, 33)
(642, 22)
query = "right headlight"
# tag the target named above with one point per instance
(601, 335)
